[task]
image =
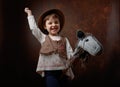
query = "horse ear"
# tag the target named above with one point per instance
(80, 34)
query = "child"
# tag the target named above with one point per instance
(55, 49)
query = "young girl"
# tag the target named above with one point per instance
(55, 49)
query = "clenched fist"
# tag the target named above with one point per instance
(28, 11)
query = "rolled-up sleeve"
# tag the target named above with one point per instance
(69, 49)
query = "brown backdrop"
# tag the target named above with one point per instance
(20, 49)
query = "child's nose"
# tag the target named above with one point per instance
(53, 24)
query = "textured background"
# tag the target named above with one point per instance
(19, 50)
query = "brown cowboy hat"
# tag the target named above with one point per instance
(55, 11)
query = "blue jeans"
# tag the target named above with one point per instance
(55, 78)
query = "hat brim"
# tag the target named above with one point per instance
(52, 11)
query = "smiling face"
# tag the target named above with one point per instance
(52, 24)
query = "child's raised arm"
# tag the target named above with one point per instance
(33, 26)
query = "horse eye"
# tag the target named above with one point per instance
(86, 40)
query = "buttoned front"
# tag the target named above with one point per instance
(50, 46)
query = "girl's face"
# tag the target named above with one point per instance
(52, 25)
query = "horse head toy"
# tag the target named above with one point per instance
(88, 43)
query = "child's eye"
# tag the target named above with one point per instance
(50, 23)
(56, 22)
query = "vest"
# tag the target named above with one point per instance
(50, 46)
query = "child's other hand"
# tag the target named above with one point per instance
(28, 11)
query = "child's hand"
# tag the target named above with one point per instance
(28, 11)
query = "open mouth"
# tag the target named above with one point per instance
(54, 28)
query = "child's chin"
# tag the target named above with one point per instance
(54, 33)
